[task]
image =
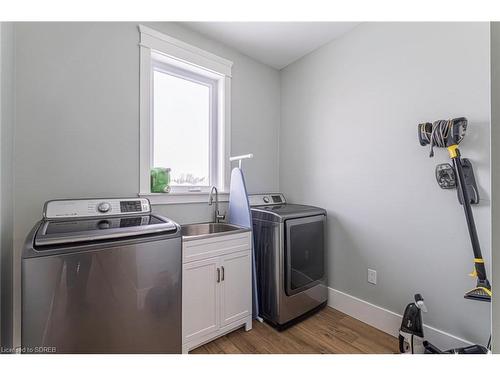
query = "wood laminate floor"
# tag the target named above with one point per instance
(327, 332)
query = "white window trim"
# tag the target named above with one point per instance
(175, 52)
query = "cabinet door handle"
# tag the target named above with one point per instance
(222, 272)
(218, 274)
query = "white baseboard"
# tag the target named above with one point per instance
(386, 320)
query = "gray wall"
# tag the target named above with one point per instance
(77, 108)
(495, 176)
(6, 205)
(348, 142)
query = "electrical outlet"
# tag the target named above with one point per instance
(372, 276)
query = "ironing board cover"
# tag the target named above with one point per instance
(239, 214)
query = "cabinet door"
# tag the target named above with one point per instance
(236, 287)
(200, 298)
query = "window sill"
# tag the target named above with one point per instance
(181, 198)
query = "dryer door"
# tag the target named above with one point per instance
(304, 253)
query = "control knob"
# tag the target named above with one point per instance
(103, 207)
(266, 199)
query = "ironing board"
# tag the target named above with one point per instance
(239, 214)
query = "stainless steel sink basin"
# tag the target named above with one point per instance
(192, 231)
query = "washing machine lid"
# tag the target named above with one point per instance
(285, 211)
(70, 221)
(61, 232)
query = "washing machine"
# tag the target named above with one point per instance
(289, 244)
(102, 276)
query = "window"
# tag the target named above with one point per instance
(184, 126)
(185, 121)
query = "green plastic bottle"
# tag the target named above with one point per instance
(160, 180)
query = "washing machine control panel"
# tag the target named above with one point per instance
(75, 208)
(266, 199)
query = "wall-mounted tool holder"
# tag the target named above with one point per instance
(445, 176)
(470, 182)
(447, 179)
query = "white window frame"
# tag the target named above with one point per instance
(171, 54)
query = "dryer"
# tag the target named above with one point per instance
(289, 242)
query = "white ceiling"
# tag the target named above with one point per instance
(273, 43)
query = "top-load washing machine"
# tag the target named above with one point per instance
(289, 242)
(102, 276)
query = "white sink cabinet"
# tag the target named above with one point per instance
(216, 287)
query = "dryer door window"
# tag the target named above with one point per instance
(305, 253)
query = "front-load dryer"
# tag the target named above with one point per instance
(289, 241)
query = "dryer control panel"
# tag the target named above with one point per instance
(266, 199)
(75, 208)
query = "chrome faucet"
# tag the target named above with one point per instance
(217, 216)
